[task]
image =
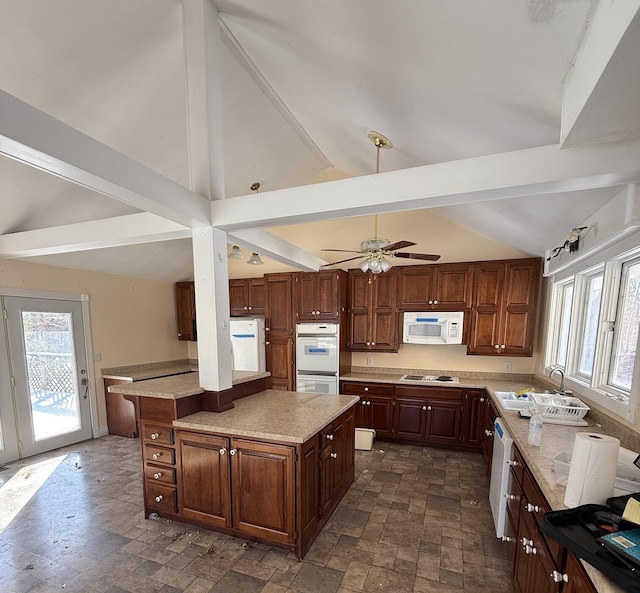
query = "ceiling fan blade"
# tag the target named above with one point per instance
(398, 245)
(427, 256)
(343, 250)
(341, 261)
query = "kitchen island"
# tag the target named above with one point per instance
(271, 469)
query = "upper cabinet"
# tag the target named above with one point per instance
(321, 296)
(246, 296)
(439, 287)
(372, 312)
(503, 314)
(186, 310)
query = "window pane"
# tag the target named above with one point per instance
(566, 299)
(590, 325)
(626, 328)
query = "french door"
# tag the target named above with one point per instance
(47, 404)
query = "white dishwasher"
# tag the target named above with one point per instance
(500, 463)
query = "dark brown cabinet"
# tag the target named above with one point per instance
(444, 421)
(279, 331)
(474, 403)
(121, 411)
(577, 579)
(337, 460)
(375, 408)
(159, 460)
(185, 296)
(320, 296)
(503, 314)
(487, 441)
(372, 312)
(246, 296)
(445, 287)
(410, 418)
(225, 482)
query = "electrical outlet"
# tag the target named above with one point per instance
(507, 365)
(369, 362)
(97, 356)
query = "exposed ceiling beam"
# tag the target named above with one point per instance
(600, 99)
(278, 249)
(39, 140)
(96, 234)
(530, 172)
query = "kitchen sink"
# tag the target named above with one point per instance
(509, 401)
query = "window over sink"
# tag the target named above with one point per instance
(593, 330)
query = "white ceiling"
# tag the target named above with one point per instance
(302, 84)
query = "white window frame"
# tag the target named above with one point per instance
(596, 388)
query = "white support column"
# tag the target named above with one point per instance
(212, 303)
(204, 120)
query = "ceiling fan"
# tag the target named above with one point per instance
(376, 250)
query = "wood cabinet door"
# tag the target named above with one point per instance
(279, 303)
(306, 296)
(256, 296)
(204, 489)
(363, 413)
(485, 331)
(383, 314)
(381, 414)
(185, 296)
(522, 278)
(475, 414)
(415, 284)
(443, 422)
(327, 484)
(578, 580)
(263, 489)
(347, 445)
(487, 442)
(280, 362)
(327, 296)
(238, 296)
(410, 418)
(453, 286)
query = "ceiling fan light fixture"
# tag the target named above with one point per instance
(375, 266)
(374, 244)
(235, 253)
(255, 260)
(364, 266)
(385, 264)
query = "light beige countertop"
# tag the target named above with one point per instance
(287, 416)
(178, 386)
(152, 370)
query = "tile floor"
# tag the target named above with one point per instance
(415, 520)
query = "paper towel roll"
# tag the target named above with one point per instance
(592, 471)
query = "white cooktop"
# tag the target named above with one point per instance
(430, 378)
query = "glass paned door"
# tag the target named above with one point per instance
(49, 367)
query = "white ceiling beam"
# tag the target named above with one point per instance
(132, 229)
(265, 243)
(529, 172)
(31, 136)
(600, 96)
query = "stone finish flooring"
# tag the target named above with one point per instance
(415, 520)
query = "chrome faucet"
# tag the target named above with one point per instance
(561, 372)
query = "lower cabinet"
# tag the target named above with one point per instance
(439, 416)
(272, 492)
(540, 564)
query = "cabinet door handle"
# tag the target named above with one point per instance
(502, 346)
(233, 451)
(368, 403)
(373, 343)
(266, 343)
(481, 399)
(222, 451)
(435, 302)
(366, 389)
(428, 407)
(159, 498)
(497, 346)
(506, 538)
(559, 577)
(511, 496)
(334, 455)
(157, 475)
(330, 437)
(363, 402)
(368, 343)
(155, 435)
(156, 455)
(532, 508)
(431, 302)
(424, 408)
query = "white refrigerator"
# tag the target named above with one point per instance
(247, 344)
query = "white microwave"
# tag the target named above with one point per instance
(433, 327)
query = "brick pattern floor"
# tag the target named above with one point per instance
(415, 520)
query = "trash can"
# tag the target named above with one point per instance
(364, 439)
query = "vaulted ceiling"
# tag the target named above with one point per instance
(514, 118)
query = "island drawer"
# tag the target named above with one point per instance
(356, 388)
(162, 498)
(158, 434)
(158, 473)
(159, 454)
